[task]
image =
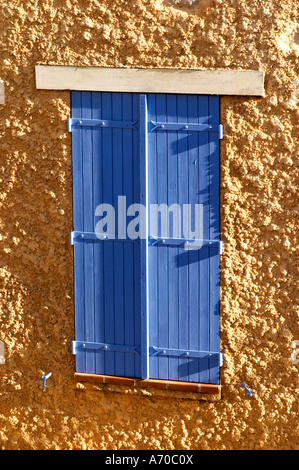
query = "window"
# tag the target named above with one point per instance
(146, 235)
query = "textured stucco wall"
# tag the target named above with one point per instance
(259, 212)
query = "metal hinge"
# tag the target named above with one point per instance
(186, 353)
(87, 345)
(187, 127)
(104, 123)
(189, 243)
(82, 236)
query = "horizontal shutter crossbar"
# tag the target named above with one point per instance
(104, 123)
(188, 242)
(185, 353)
(82, 236)
(187, 127)
(87, 345)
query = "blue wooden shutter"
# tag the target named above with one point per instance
(146, 308)
(183, 159)
(106, 164)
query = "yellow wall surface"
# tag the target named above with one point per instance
(259, 214)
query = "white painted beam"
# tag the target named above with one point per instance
(201, 82)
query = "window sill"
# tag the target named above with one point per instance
(148, 387)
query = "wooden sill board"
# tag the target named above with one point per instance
(149, 383)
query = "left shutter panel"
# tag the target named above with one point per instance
(105, 148)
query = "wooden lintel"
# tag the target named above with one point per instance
(132, 80)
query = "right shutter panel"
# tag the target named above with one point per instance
(184, 284)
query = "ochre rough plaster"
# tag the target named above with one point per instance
(259, 213)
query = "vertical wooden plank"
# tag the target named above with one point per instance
(79, 292)
(214, 186)
(153, 251)
(117, 155)
(137, 249)
(193, 256)
(108, 174)
(143, 124)
(183, 280)
(204, 253)
(173, 251)
(88, 217)
(128, 248)
(162, 252)
(97, 183)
